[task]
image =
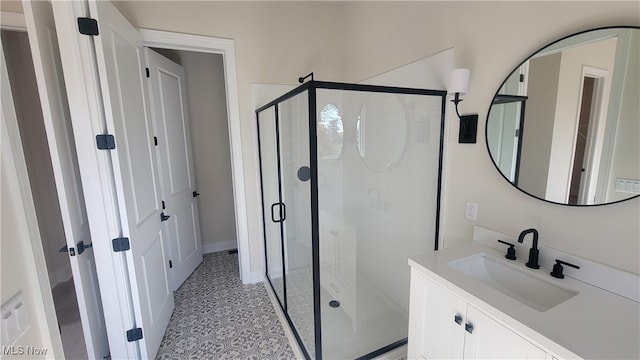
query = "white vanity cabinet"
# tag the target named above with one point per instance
(442, 325)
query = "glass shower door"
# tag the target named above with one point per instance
(273, 209)
(295, 177)
(350, 179)
(286, 197)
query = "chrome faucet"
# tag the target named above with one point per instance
(533, 252)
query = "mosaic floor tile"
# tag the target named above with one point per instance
(217, 317)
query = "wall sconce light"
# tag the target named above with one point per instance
(458, 85)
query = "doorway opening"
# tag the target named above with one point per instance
(584, 171)
(43, 188)
(201, 46)
(207, 108)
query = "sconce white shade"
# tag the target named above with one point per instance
(459, 82)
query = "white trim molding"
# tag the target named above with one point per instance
(225, 47)
(219, 246)
(13, 21)
(297, 351)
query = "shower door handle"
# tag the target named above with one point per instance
(273, 217)
(282, 210)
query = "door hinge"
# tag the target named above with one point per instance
(134, 334)
(72, 252)
(147, 70)
(517, 132)
(120, 244)
(88, 26)
(105, 142)
(155, 140)
(170, 265)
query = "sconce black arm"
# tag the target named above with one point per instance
(456, 100)
(468, 124)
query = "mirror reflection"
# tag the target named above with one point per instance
(381, 132)
(330, 133)
(564, 126)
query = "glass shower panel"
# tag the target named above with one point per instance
(378, 186)
(503, 135)
(271, 204)
(296, 184)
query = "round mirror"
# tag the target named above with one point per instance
(330, 133)
(564, 126)
(381, 131)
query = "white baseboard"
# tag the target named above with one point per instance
(219, 246)
(283, 320)
(250, 278)
(253, 277)
(399, 353)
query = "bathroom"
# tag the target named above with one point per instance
(354, 41)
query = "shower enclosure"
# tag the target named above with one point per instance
(350, 180)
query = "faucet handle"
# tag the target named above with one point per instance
(557, 268)
(511, 251)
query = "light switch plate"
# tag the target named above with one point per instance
(631, 186)
(14, 319)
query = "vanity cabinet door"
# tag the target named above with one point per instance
(489, 339)
(444, 326)
(433, 330)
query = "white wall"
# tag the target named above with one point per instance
(538, 124)
(600, 55)
(16, 274)
(492, 38)
(204, 75)
(277, 42)
(18, 271)
(34, 139)
(625, 162)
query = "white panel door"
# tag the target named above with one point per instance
(121, 69)
(178, 187)
(55, 110)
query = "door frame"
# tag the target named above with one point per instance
(226, 48)
(45, 308)
(595, 133)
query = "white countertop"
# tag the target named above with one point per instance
(594, 324)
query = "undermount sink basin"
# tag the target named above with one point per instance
(513, 282)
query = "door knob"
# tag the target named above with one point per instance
(164, 217)
(81, 246)
(458, 319)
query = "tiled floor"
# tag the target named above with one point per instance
(217, 317)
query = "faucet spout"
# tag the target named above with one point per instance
(533, 252)
(529, 231)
